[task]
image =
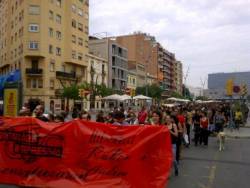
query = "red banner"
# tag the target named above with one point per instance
(83, 154)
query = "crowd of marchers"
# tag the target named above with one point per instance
(187, 123)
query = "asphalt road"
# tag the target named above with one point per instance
(208, 168)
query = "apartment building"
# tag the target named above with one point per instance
(151, 58)
(178, 81)
(142, 53)
(97, 73)
(116, 55)
(47, 40)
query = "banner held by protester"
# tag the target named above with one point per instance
(83, 154)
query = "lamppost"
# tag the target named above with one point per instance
(146, 78)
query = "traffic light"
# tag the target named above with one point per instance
(81, 92)
(229, 87)
(132, 92)
(243, 90)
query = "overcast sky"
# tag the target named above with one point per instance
(206, 35)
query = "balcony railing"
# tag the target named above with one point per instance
(34, 71)
(61, 74)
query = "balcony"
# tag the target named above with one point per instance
(65, 75)
(34, 72)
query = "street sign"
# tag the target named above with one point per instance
(236, 89)
(229, 87)
(244, 90)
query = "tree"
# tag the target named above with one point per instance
(103, 90)
(177, 95)
(186, 93)
(202, 98)
(154, 91)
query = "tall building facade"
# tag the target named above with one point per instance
(116, 55)
(178, 77)
(97, 74)
(142, 54)
(217, 84)
(47, 40)
(158, 62)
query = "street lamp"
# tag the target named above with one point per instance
(146, 78)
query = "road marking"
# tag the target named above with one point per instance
(212, 172)
(201, 185)
(211, 176)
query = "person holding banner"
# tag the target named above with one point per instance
(169, 122)
(156, 118)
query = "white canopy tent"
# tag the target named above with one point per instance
(142, 97)
(178, 100)
(112, 97)
(125, 97)
(210, 101)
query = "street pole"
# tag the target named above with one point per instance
(146, 85)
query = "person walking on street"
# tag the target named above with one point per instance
(238, 118)
(197, 129)
(204, 122)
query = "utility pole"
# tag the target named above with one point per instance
(185, 79)
(203, 83)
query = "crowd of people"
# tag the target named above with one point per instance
(202, 119)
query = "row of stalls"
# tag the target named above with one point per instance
(125, 101)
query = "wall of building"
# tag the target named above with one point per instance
(48, 42)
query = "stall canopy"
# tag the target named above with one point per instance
(142, 97)
(112, 97)
(125, 98)
(178, 100)
(116, 97)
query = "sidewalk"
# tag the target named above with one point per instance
(244, 132)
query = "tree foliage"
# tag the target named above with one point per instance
(154, 91)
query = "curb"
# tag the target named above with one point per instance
(238, 137)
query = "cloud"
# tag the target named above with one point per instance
(207, 35)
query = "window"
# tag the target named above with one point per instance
(73, 54)
(58, 51)
(20, 32)
(33, 28)
(40, 83)
(58, 19)
(83, 72)
(80, 41)
(80, 26)
(34, 9)
(34, 64)
(58, 35)
(52, 84)
(80, 56)
(52, 66)
(73, 38)
(73, 8)
(33, 45)
(51, 15)
(73, 23)
(59, 3)
(80, 12)
(63, 68)
(50, 49)
(33, 83)
(28, 83)
(51, 32)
